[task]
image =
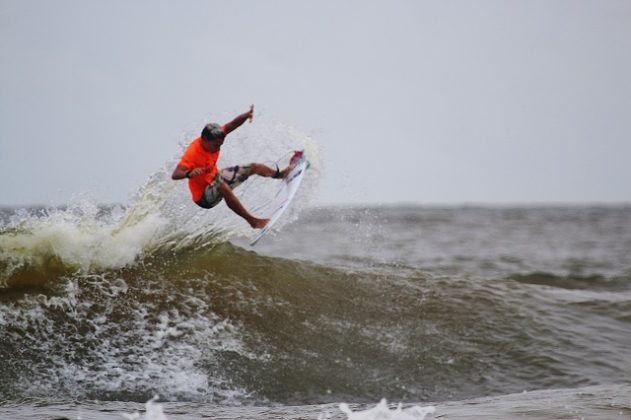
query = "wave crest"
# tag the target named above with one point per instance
(37, 245)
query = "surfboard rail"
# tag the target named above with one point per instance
(284, 196)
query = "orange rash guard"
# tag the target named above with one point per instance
(196, 157)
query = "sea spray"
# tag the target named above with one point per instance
(160, 217)
(382, 412)
(81, 237)
(153, 411)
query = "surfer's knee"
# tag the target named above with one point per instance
(256, 167)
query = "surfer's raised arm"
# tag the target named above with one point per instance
(238, 121)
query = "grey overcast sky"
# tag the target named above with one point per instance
(430, 102)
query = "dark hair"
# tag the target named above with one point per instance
(213, 131)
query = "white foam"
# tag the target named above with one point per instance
(153, 411)
(150, 348)
(78, 238)
(382, 412)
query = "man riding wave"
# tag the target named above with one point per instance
(209, 185)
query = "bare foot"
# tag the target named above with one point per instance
(258, 223)
(285, 172)
(292, 163)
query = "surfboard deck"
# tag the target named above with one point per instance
(284, 196)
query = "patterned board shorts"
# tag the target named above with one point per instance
(233, 176)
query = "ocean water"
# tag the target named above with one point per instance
(472, 310)
(461, 312)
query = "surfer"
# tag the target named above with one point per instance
(209, 185)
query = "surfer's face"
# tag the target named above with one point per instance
(213, 145)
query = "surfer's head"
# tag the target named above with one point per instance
(213, 131)
(213, 135)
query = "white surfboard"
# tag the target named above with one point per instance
(287, 191)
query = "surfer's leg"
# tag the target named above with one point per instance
(236, 175)
(266, 171)
(253, 168)
(262, 170)
(235, 205)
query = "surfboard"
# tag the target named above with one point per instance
(286, 192)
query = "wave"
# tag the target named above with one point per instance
(97, 301)
(191, 324)
(125, 302)
(223, 324)
(40, 244)
(576, 282)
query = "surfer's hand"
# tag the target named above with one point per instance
(196, 172)
(250, 113)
